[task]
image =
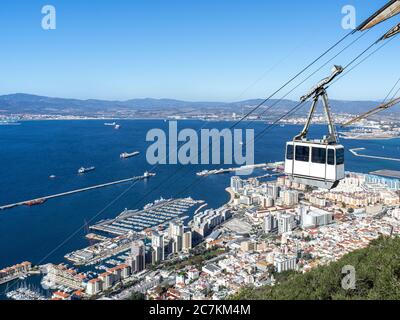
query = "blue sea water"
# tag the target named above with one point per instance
(33, 151)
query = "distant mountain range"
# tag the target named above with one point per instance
(21, 103)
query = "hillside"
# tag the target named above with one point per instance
(377, 277)
(32, 104)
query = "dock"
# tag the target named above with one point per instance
(355, 153)
(64, 194)
(266, 166)
(154, 215)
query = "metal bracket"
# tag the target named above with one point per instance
(315, 93)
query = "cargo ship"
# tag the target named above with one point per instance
(126, 155)
(148, 174)
(35, 202)
(111, 124)
(84, 170)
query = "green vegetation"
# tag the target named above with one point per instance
(377, 277)
(137, 296)
(197, 260)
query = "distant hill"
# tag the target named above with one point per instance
(377, 277)
(26, 103)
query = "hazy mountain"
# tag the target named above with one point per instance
(26, 103)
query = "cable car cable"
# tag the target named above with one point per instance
(292, 79)
(307, 78)
(300, 104)
(262, 103)
(363, 60)
(391, 90)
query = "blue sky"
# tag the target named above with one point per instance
(220, 50)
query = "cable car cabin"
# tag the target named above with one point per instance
(315, 164)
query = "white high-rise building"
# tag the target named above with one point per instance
(138, 256)
(175, 229)
(285, 263)
(285, 223)
(176, 235)
(267, 202)
(157, 244)
(273, 191)
(187, 241)
(314, 217)
(236, 184)
(290, 197)
(156, 255)
(270, 223)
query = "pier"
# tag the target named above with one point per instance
(355, 153)
(266, 166)
(64, 194)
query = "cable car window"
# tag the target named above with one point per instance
(302, 153)
(289, 152)
(318, 155)
(339, 156)
(331, 157)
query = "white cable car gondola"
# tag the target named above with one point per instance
(316, 163)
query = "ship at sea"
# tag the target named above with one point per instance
(126, 155)
(110, 124)
(35, 202)
(84, 170)
(148, 175)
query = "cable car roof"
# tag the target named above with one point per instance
(315, 143)
(388, 11)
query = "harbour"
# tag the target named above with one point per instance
(156, 214)
(126, 227)
(26, 293)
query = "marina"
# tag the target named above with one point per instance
(25, 293)
(41, 200)
(126, 227)
(153, 215)
(97, 253)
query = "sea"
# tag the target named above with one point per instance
(34, 150)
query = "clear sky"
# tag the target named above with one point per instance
(220, 50)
